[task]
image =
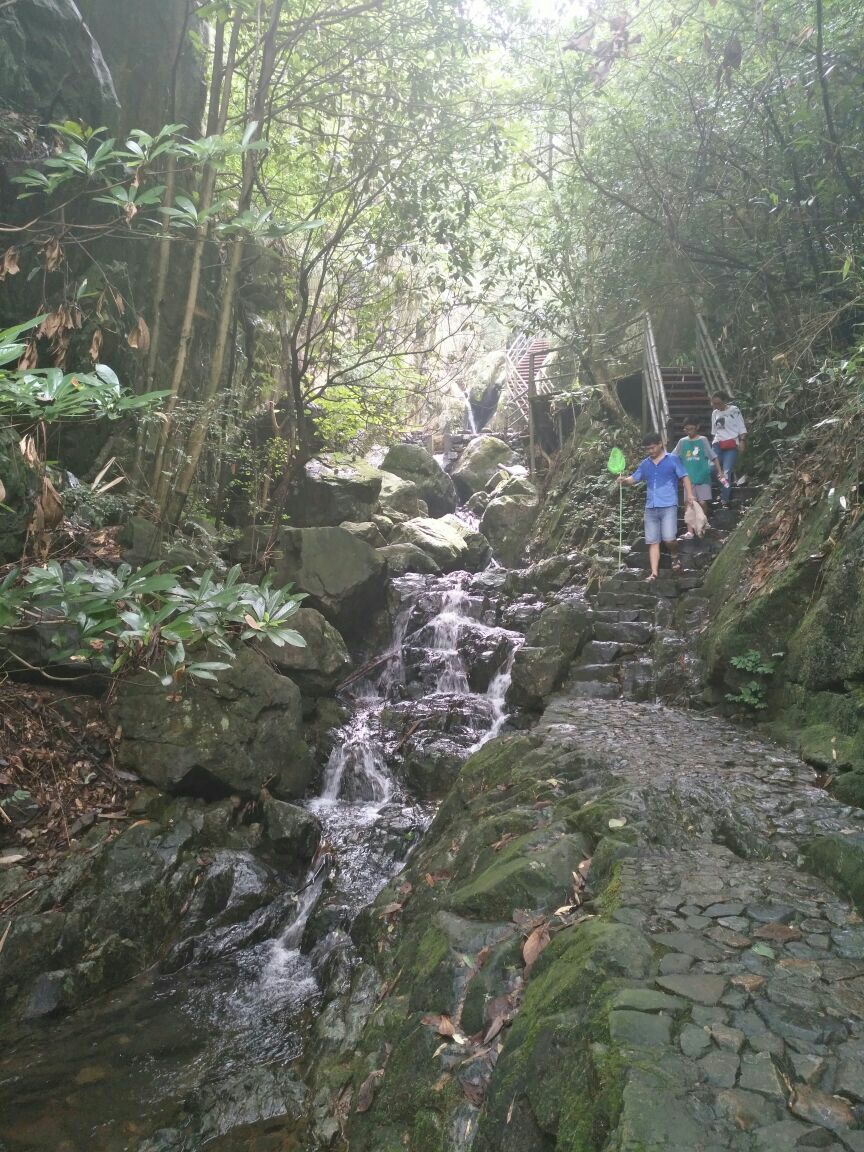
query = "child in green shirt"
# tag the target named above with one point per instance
(698, 457)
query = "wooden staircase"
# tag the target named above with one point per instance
(686, 395)
(526, 356)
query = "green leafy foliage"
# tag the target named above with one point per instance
(119, 621)
(751, 694)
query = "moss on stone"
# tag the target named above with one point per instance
(839, 859)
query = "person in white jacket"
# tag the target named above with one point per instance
(729, 437)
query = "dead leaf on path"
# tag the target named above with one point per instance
(366, 1094)
(510, 1110)
(482, 956)
(499, 1006)
(565, 909)
(390, 909)
(443, 1025)
(405, 888)
(527, 921)
(442, 1082)
(494, 1028)
(474, 1093)
(584, 866)
(505, 839)
(534, 945)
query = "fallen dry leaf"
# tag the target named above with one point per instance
(366, 1094)
(534, 945)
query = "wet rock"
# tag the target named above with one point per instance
(640, 1029)
(745, 1110)
(344, 577)
(536, 673)
(402, 558)
(337, 488)
(567, 626)
(479, 552)
(479, 463)
(832, 1112)
(758, 1074)
(507, 524)
(719, 1068)
(702, 989)
(291, 831)
(366, 531)
(413, 463)
(233, 736)
(322, 664)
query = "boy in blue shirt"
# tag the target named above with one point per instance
(660, 473)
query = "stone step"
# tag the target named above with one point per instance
(624, 615)
(592, 690)
(629, 599)
(623, 632)
(600, 652)
(601, 673)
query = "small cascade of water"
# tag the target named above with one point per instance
(445, 632)
(497, 696)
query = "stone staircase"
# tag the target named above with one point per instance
(686, 395)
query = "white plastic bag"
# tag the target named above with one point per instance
(695, 519)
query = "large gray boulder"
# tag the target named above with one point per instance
(451, 544)
(413, 463)
(322, 664)
(479, 463)
(568, 626)
(235, 735)
(398, 495)
(479, 549)
(366, 530)
(344, 577)
(41, 41)
(537, 672)
(402, 558)
(507, 524)
(337, 488)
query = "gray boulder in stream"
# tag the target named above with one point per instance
(402, 558)
(507, 524)
(232, 736)
(479, 463)
(398, 495)
(537, 672)
(451, 544)
(415, 464)
(344, 576)
(322, 664)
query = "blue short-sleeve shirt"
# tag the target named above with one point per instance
(661, 480)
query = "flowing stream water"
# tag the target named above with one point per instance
(201, 1057)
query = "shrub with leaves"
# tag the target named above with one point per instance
(121, 621)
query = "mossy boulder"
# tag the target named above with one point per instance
(337, 488)
(402, 558)
(366, 530)
(398, 495)
(506, 524)
(317, 668)
(479, 463)
(537, 672)
(290, 831)
(567, 626)
(344, 576)
(236, 735)
(413, 463)
(451, 544)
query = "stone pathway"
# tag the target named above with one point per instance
(748, 1033)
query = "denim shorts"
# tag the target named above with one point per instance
(661, 524)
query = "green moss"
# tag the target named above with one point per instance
(839, 859)
(610, 898)
(849, 788)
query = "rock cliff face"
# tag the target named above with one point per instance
(792, 592)
(52, 66)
